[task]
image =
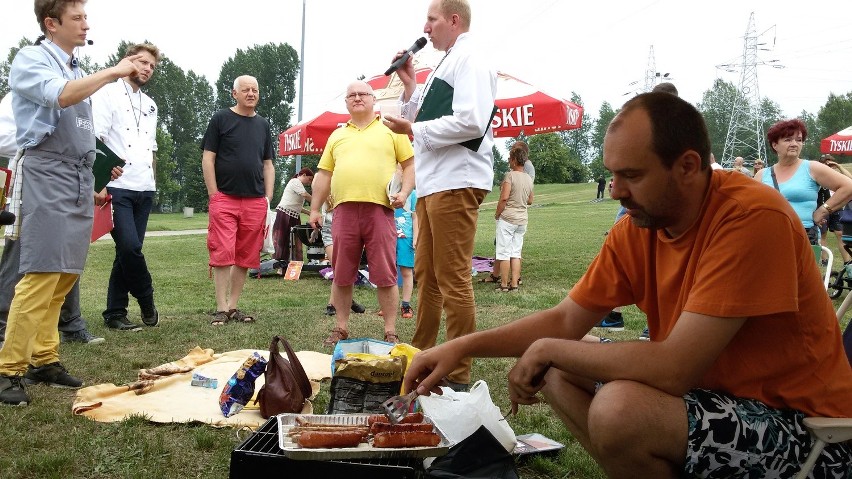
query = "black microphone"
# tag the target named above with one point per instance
(89, 42)
(7, 218)
(420, 43)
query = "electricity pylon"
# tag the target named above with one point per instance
(745, 136)
(652, 77)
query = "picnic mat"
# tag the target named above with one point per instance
(163, 394)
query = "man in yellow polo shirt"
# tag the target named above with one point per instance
(358, 163)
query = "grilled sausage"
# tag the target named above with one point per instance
(406, 439)
(330, 439)
(378, 427)
(411, 418)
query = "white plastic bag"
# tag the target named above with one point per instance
(268, 247)
(458, 415)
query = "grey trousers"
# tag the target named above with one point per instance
(70, 319)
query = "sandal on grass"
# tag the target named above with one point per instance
(220, 318)
(490, 279)
(239, 316)
(336, 335)
(502, 289)
(391, 337)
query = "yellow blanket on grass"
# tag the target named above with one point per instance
(164, 393)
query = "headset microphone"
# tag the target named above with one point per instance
(89, 42)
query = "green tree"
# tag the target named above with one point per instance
(194, 189)
(577, 140)
(716, 106)
(810, 149)
(554, 161)
(185, 105)
(501, 166)
(770, 113)
(597, 134)
(5, 66)
(166, 184)
(834, 116)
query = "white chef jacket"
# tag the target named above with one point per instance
(126, 121)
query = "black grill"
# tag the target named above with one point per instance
(260, 453)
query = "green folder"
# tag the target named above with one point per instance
(105, 161)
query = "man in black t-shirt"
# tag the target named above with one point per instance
(239, 175)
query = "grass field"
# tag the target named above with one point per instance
(45, 441)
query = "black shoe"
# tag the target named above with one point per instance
(81, 336)
(612, 321)
(329, 310)
(53, 374)
(357, 308)
(120, 323)
(151, 318)
(13, 392)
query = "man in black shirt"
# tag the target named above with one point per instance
(239, 175)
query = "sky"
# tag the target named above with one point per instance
(593, 48)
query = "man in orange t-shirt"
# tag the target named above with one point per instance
(744, 341)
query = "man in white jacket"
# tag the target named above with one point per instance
(453, 165)
(126, 121)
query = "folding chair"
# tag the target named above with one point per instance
(827, 430)
(818, 252)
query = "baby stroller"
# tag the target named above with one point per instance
(314, 248)
(842, 279)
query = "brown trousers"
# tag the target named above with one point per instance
(442, 262)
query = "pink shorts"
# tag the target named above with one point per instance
(235, 230)
(357, 226)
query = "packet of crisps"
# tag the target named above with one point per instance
(239, 389)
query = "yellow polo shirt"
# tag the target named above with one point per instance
(362, 162)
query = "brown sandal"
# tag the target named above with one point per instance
(239, 316)
(220, 318)
(336, 335)
(490, 279)
(391, 337)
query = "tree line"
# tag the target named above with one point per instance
(187, 100)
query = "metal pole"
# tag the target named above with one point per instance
(301, 81)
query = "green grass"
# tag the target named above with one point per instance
(45, 441)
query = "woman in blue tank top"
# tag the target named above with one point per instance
(799, 180)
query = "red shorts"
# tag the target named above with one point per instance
(235, 230)
(357, 226)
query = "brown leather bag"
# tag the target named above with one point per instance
(287, 386)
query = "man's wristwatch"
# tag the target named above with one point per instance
(828, 208)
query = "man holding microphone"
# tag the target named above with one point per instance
(450, 120)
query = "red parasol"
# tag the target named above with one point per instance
(839, 143)
(520, 108)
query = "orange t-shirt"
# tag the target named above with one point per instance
(746, 256)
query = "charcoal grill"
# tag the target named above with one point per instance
(260, 453)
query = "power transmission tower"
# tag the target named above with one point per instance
(652, 77)
(650, 72)
(745, 136)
